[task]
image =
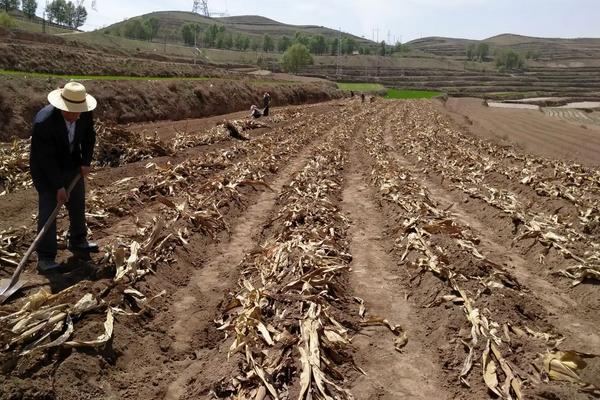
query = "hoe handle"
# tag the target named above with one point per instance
(39, 236)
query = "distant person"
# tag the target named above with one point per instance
(255, 112)
(62, 147)
(362, 97)
(352, 94)
(266, 104)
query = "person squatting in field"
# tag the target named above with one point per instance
(255, 112)
(62, 147)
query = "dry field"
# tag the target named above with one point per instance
(574, 115)
(343, 252)
(534, 131)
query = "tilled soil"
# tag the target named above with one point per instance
(350, 251)
(532, 131)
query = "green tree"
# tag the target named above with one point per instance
(220, 40)
(318, 45)
(400, 48)
(187, 34)
(228, 42)
(471, 50)
(55, 11)
(136, 29)
(255, 44)
(509, 60)
(296, 57)
(29, 8)
(238, 41)
(211, 35)
(9, 5)
(283, 44)
(382, 48)
(6, 20)
(190, 33)
(152, 26)
(69, 14)
(246, 44)
(302, 39)
(483, 51)
(348, 45)
(268, 43)
(80, 16)
(333, 46)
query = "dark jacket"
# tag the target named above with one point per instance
(51, 161)
(266, 101)
(256, 113)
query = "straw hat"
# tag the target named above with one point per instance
(72, 98)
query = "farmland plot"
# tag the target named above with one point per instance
(343, 252)
(573, 115)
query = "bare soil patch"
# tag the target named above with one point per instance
(533, 131)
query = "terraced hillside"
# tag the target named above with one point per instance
(548, 49)
(577, 82)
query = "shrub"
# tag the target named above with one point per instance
(6, 20)
(296, 57)
(509, 60)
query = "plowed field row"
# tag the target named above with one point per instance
(348, 251)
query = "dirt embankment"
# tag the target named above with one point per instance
(139, 101)
(34, 52)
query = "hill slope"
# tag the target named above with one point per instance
(251, 25)
(547, 48)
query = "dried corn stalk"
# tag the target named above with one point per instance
(290, 285)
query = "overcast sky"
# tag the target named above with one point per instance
(403, 19)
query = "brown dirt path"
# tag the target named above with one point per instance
(414, 373)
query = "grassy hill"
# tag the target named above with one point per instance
(35, 24)
(251, 25)
(548, 49)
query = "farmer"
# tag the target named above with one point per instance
(62, 146)
(266, 103)
(255, 112)
(362, 97)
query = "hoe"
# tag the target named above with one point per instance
(8, 287)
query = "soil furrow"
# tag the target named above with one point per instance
(390, 374)
(581, 333)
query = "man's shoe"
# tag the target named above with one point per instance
(85, 247)
(45, 265)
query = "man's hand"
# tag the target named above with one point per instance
(85, 171)
(62, 197)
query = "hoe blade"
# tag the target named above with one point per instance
(6, 291)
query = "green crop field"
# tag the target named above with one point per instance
(411, 94)
(360, 87)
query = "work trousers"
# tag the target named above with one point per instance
(47, 247)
